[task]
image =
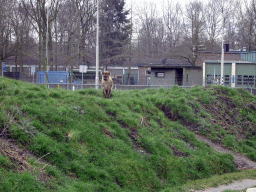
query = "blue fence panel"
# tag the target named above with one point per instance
(57, 76)
(77, 82)
(40, 78)
(53, 76)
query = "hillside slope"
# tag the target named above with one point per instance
(138, 140)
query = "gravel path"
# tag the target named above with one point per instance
(240, 161)
(237, 185)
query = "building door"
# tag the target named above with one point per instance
(179, 76)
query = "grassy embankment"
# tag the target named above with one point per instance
(139, 140)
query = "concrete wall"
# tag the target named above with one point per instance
(236, 74)
(142, 76)
(245, 75)
(167, 80)
(192, 77)
(209, 73)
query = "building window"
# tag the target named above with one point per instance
(251, 80)
(209, 79)
(239, 78)
(159, 74)
(245, 79)
(226, 80)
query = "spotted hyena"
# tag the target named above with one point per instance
(106, 84)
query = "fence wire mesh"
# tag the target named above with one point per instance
(246, 83)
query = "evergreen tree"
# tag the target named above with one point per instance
(115, 31)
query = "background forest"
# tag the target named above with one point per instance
(66, 30)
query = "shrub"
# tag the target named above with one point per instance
(4, 162)
(57, 134)
(55, 94)
(198, 168)
(252, 156)
(23, 131)
(229, 141)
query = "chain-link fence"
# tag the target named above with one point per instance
(245, 82)
(72, 86)
(75, 86)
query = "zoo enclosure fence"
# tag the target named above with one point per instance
(74, 86)
(246, 82)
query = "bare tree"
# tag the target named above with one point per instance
(174, 23)
(71, 30)
(213, 23)
(40, 14)
(7, 46)
(86, 10)
(247, 23)
(231, 24)
(151, 35)
(70, 26)
(76, 26)
(24, 42)
(195, 34)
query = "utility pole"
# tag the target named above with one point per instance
(97, 50)
(222, 48)
(130, 52)
(47, 41)
(46, 45)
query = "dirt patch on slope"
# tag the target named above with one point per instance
(174, 116)
(225, 115)
(18, 157)
(240, 161)
(137, 147)
(15, 154)
(178, 153)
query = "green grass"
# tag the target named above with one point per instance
(125, 143)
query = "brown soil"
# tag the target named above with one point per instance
(169, 114)
(15, 154)
(224, 114)
(178, 153)
(18, 157)
(133, 136)
(240, 161)
(108, 133)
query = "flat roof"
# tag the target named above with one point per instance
(168, 65)
(219, 61)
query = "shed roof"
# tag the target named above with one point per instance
(219, 61)
(168, 63)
